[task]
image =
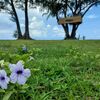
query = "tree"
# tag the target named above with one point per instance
(26, 34)
(1, 5)
(9, 7)
(65, 8)
(24, 5)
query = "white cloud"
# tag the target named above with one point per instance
(96, 31)
(22, 25)
(48, 26)
(36, 23)
(37, 27)
(5, 31)
(58, 31)
(6, 34)
(35, 12)
(4, 17)
(93, 16)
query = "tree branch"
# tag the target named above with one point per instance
(70, 8)
(90, 7)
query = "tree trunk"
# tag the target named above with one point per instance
(17, 21)
(73, 33)
(26, 34)
(74, 29)
(66, 29)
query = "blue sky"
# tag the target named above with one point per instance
(43, 29)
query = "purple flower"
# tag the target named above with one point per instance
(4, 80)
(19, 74)
(24, 48)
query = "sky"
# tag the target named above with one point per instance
(42, 28)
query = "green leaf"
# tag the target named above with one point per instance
(25, 86)
(7, 95)
(2, 91)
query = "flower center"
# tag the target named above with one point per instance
(19, 72)
(2, 78)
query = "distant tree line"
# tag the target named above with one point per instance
(55, 8)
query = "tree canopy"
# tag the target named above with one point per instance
(65, 8)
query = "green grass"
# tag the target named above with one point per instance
(88, 45)
(61, 70)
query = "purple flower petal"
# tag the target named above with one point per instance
(3, 85)
(4, 80)
(21, 79)
(12, 66)
(19, 64)
(7, 80)
(27, 73)
(2, 73)
(13, 77)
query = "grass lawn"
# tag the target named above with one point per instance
(60, 70)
